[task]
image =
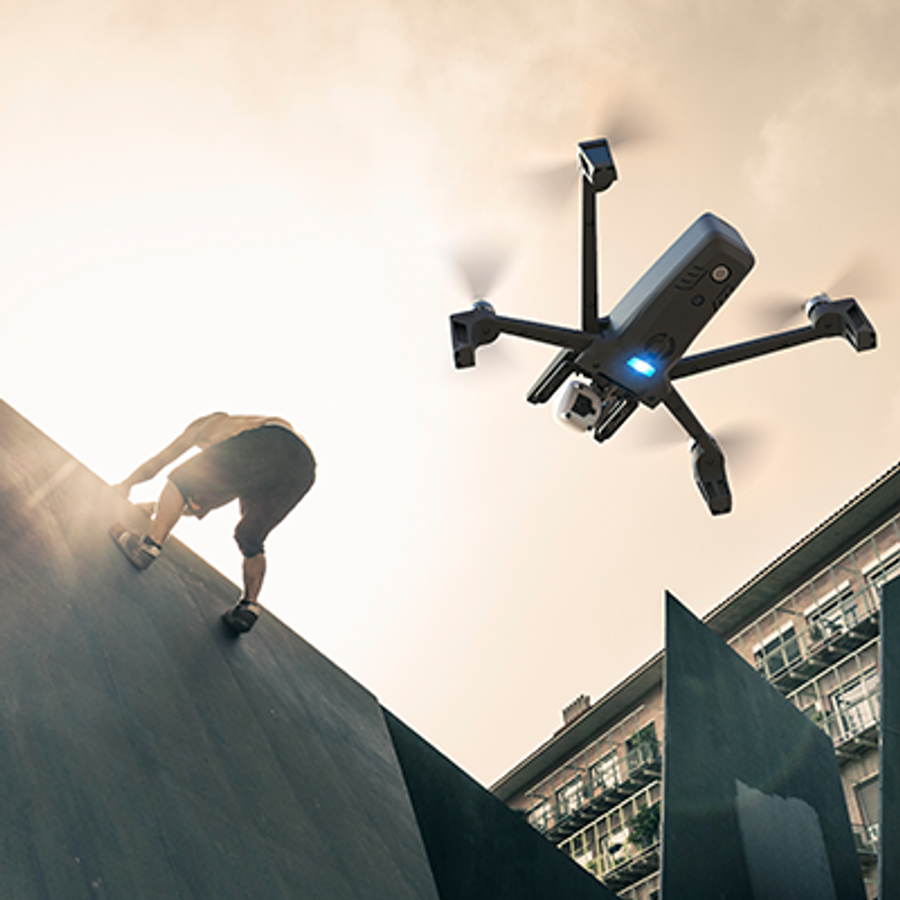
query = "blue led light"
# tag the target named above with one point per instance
(641, 366)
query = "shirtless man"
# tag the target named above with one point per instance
(260, 460)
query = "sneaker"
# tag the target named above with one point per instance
(139, 549)
(241, 617)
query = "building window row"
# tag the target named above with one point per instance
(827, 618)
(845, 700)
(597, 779)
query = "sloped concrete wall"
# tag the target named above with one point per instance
(147, 753)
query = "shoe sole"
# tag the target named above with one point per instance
(119, 534)
(240, 624)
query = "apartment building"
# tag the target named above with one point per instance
(809, 623)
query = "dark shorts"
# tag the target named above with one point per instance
(268, 469)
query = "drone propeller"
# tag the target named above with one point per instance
(628, 124)
(743, 444)
(865, 277)
(625, 126)
(482, 264)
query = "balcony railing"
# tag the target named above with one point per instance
(628, 866)
(793, 660)
(584, 801)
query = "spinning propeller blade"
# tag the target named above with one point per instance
(626, 125)
(744, 444)
(482, 264)
(865, 278)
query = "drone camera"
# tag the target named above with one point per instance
(596, 163)
(578, 406)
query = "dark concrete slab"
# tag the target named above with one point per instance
(752, 802)
(145, 752)
(889, 826)
(478, 848)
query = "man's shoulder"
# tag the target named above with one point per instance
(218, 427)
(203, 430)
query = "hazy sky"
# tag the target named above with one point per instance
(251, 206)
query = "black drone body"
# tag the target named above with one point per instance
(633, 355)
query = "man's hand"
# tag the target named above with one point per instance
(123, 488)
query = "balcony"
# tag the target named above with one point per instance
(587, 799)
(795, 660)
(632, 868)
(851, 740)
(643, 766)
(622, 847)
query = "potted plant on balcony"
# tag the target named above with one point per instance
(643, 829)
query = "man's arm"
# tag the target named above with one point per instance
(178, 447)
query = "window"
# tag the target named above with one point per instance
(776, 653)
(856, 704)
(613, 846)
(605, 774)
(642, 747)
(867, 796)
(570, 797)
(885, 568)
(834, 615)
(539, 817)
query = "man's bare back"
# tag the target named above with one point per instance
(218, 427)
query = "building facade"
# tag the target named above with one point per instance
(809, 623)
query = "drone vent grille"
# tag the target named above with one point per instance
(690, 278)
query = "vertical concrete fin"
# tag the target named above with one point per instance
(889, 751)
(742, 765)
(478, 848)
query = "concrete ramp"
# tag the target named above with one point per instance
(145, 752)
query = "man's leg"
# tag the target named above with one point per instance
(254, 572)
(261, 511)
(142, 550)
(242, 617)
(168, 512)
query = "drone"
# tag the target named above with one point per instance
(633, 355)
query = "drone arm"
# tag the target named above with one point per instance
(482, 325)
(735, 353)
(556, 335)
(590, 304)
(685, 417)
(708, 460)
(829, 318)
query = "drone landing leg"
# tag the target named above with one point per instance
(707, 458)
